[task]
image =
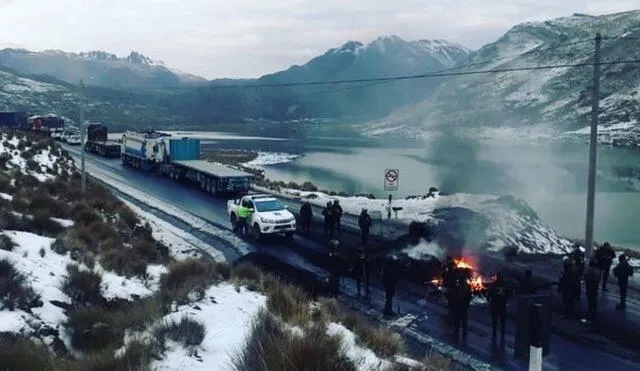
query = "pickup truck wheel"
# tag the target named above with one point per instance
(257, 234)
(288, 235)
(234, 222)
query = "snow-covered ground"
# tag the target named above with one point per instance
(511, 222)
(44, 158)
(271, 158)
(226, 314)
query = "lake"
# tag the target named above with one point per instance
(551, 177)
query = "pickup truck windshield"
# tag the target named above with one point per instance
(264, 206)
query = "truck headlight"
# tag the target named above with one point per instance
(267, 220)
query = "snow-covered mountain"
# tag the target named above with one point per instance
(385, 56)
(97, 68)
(541, 102)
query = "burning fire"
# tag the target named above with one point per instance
(476, 281)
(463, 263)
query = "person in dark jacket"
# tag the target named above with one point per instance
(605, 256)
(566, 287)
(361, 271)
(337, 215)
(390, 277)
(306, 215)
(577, 257)
(327, 212)
(336, 271)
(461, 299)
(365, 222)
(623, 271)
(448, 282)
(526, 285)
(591, 281)
(497, 295)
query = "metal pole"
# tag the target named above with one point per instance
(82, 138)
(591, 190)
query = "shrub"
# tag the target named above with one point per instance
(188, 332)
(41, 200)
(83, 286)
(93, 329)
(4, 158)
(290, 303)
(139, 313)
(43, 224)
(382, 341)
(14, 291)
(186, 276)
(247, 272)
(27, 181)
(6, 243)
(82, 213)
(146, 250)
(18, 353)
(308, 187)
(123, 262)
(270, 347)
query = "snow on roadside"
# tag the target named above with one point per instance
(271, 158)
(227, 315)
(181, 244)
(242, 246)
(6, 196)
(64, 222)
(364, 358)
(512, 222)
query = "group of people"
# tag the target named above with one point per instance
(595, 275)
(332, 214)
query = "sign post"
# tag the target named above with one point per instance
(391, 177)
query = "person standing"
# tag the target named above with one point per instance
(623, 271)
(605, 256)
(448, 282)
(337, 215)
(566, 287)
(365, 222)
(591, 280)
(361, 273)
(336, 270)
(306, 215)
(327, 212)
(390, 277)
(244, 211)
(461, 301)
(497, 296)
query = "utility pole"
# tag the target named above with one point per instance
(593, 143)
(82, 139)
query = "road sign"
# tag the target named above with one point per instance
(391, 177)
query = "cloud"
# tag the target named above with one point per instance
(248, 38)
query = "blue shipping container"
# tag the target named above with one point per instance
(184, 149)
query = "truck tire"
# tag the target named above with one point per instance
(257, 234)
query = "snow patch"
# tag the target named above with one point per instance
(272, 158)
(364, 358)
(227, 316)
(6, 196)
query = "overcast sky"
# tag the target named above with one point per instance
(248, 38)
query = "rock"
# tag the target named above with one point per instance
(60, 304)
(197, 307)
(48, 331)
(36, 303)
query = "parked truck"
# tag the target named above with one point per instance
(179, 158)
(13, 120)
(267, 216)
(97, 142)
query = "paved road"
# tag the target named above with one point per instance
(566, 355)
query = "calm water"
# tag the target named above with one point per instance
(550, 177)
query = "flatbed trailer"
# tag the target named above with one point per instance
(107, 148)
(179, 159)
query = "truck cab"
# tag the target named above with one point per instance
(269, 215)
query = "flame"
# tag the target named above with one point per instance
(476, 284)
(437, 281)
(463, 263)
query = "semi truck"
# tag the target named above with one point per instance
(97, 142)
(13, 120)
(179, 158)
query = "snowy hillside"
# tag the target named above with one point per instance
(463, 221)
(546, 102)
(97, 68)
(84, 285)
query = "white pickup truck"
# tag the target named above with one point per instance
(269, 215)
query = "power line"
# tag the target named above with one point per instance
(426, 75)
